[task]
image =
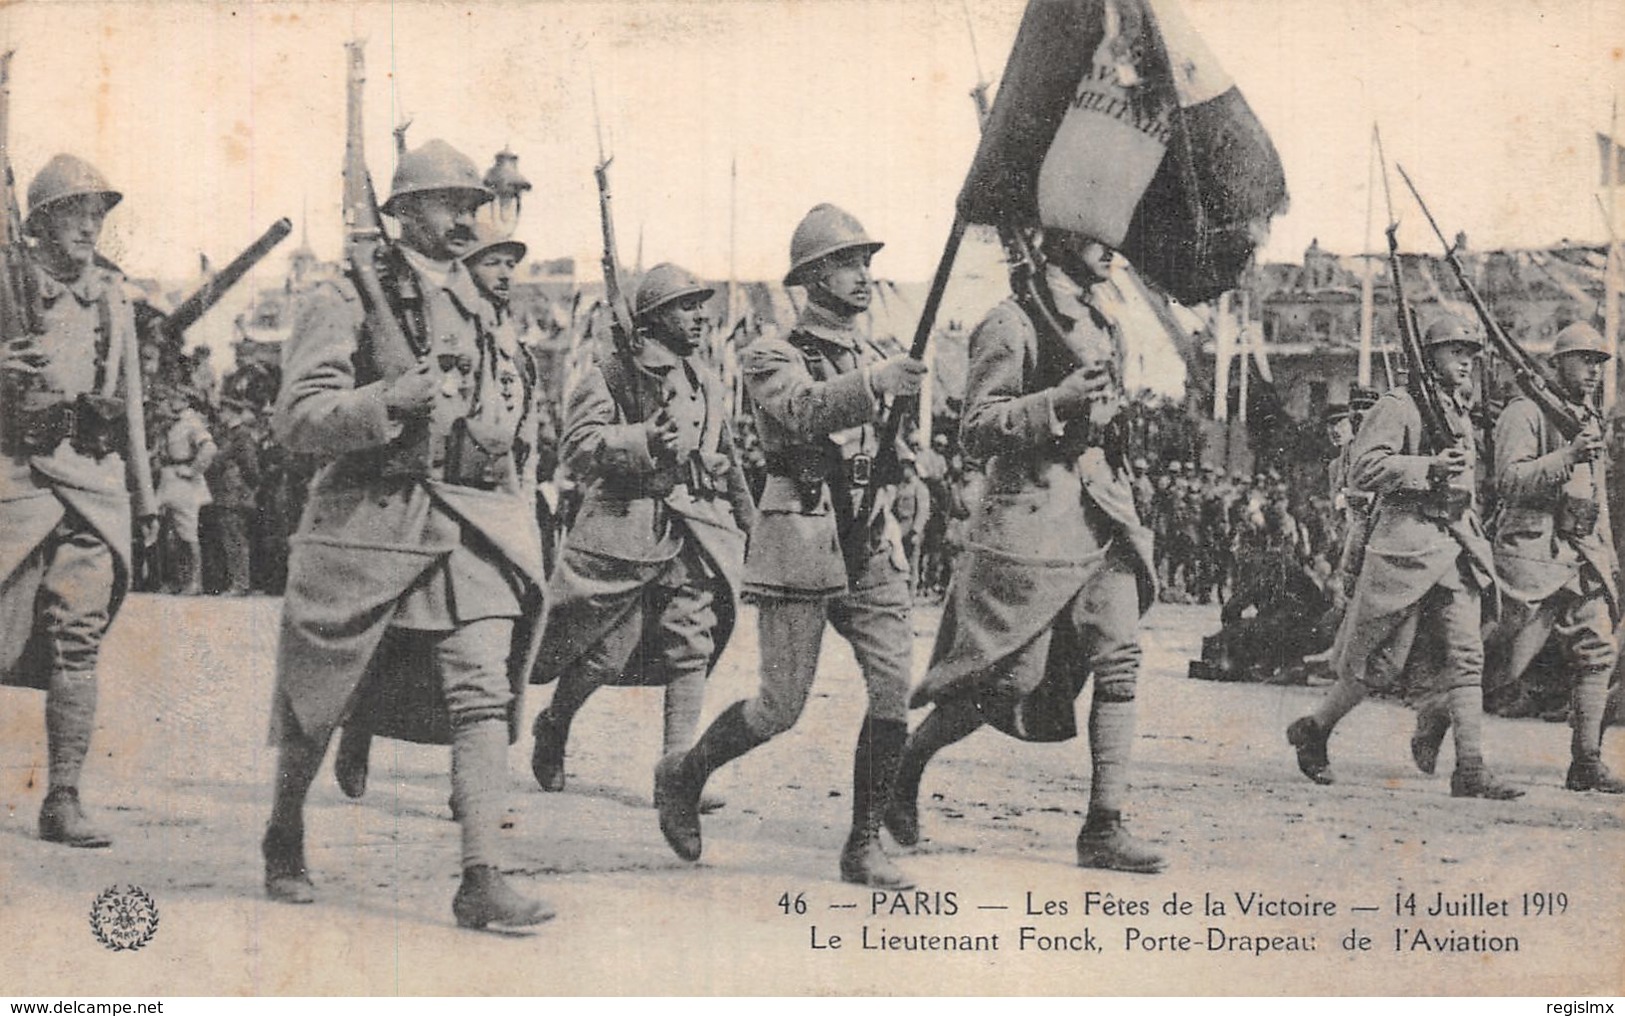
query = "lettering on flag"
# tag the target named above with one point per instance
(1113, 119)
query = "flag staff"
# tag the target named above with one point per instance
(1610, 285)
(1367, 299)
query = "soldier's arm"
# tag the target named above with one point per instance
(1377, 459)
(1000, 414)
(594, 444)
(1522, 474)
(320, 410)
(204, 448)
(739, 498)
(781, 387)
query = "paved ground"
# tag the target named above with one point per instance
(180, 775)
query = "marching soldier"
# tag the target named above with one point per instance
(72, 453)
(1059, 567)
(1554, 556)
(1420, 594)
(646, 584)
(490, 259)
(818, 393)
(417, 568)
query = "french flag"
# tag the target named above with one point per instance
(1114, 120)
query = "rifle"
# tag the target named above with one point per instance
(20, 310)
(21, 313)
(390, 349)
(620, 315)
(1568, 419)
(209, 294)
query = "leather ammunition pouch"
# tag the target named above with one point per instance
(101, 426)
(1438, 504)
(1576, 517)
(95, 425)
(809, 467)
(468, 463)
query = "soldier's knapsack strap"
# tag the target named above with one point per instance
(104, 342)
(620, 382)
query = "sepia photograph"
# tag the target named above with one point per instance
(811, 498)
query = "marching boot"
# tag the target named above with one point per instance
(351, 760)
(485, 898)
(70, 716)
(62, 820)
(1104, 843)
(547, 754)
(1474, 779)
(1590, 707)
(287, 879)
(1589, 773)
(680, 779)
(1432, 724)
(942, 726)
(479, 769)
(874, 766)
(902, 815)
(680, 720)
(1309, 738)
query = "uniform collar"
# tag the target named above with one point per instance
(823, 323)
(87, 288)
(655, 358)
(454, 278)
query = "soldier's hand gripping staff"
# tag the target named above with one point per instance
(1058, 568)
(1554, 557)
(72, 453)
(1427, 572)
(645, 590)
(818, 393)
(415, 580)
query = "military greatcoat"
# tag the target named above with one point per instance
(638, 514)
(377, 541)
(90, 343)
(1055, 515)
(1411, 549)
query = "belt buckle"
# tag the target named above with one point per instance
(861, 469)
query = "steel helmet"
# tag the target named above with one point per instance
(67, 176)
(663, 284)
(1581, 338)
(488, 238)
(1450, 329)
(435, 166)
(824, 231)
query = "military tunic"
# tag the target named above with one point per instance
(815, 412)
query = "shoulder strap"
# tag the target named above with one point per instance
(104, 341)
(620, 382)
(811, 350)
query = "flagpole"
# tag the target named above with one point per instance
(1610, 285)
(1367, 298)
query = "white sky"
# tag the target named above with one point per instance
(216, 119)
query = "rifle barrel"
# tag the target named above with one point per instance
(209, 294)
